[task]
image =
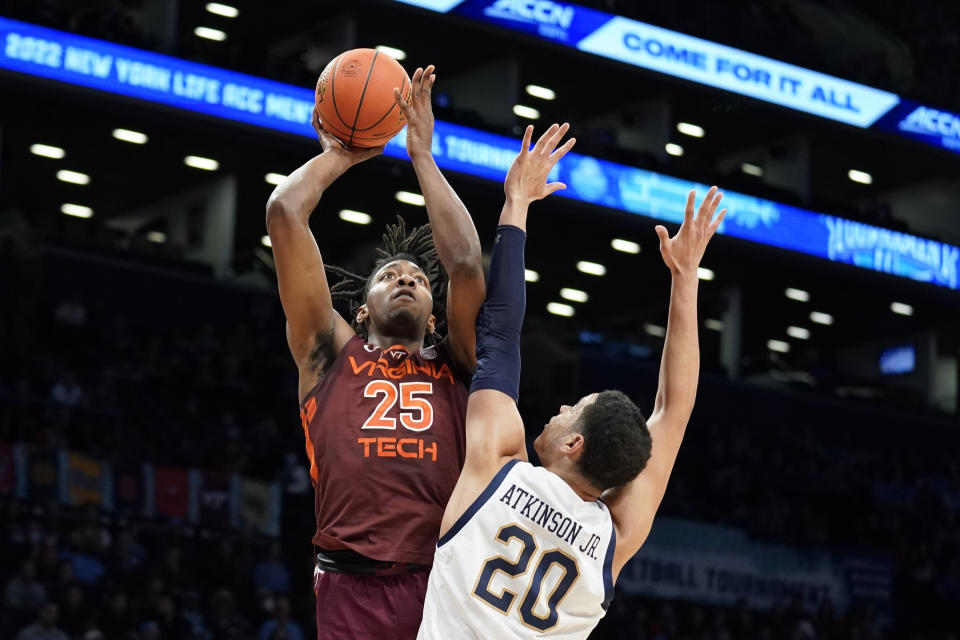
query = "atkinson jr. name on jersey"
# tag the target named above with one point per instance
(550, 518)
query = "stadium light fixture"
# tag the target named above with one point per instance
(265, 241)
(199, 162)
(408, 197)
(779, 346)
(526, 112)
(713, 324)
(530, 275)
(543, 93)
(224, 10)
(751, 169)
(593, 268)
(799, 333)
(128, 135)
(76, 210)
(210, 34)
(674, 149)
(356, 217)
(705, 274)
(797, 294)
(860, 176)
(655, 330)
(73, 177)
(625, 246)
(901, 308)
(393, 52)
(158, 237)
(574, 295)
(821, 318)
(560, 309)
(689, 129)
(274, 178)
(47, 151)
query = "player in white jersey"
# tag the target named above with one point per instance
(529, 552)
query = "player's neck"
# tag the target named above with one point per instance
(580, 486)
(385, 342)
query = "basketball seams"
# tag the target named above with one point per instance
(403, 85)
(333, 93)
(366, 83)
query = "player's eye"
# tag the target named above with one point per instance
(389, 274)
(421, 280)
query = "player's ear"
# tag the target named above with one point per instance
(431, 323)
(573, 443)
(362, 314)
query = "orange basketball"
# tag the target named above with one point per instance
(355, 97)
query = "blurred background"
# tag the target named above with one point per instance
(153, 481)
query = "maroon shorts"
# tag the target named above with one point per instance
(357, 607)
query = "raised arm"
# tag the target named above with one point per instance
(634, 505)
(315, 332)
(494, 428)
(454, 235)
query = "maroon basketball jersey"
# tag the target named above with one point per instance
(385, 438)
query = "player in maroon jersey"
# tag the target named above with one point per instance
(383, 415)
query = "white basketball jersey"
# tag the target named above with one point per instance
(528, 559)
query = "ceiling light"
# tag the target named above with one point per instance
(688, 129)
(47, 151)
(356, 217)
(560, 309)
(655, 330)
(860, 176)
(797, 294)
(224, 10)
(530, 275)
(574, 295)
(901, 308)
(210, 34)
(821, 318)
(73, 177)
(76, 210)
(265, 241)
(526, 112)
(274, 178)
(408, 197)
(799, 333)
(778, 345)
(751, 169)
(592, 268)
(199, 162)
(130, 136)
(396, 54)
(674, 149)
(156, 236)
(540, 92)
(704, 274)
(713, 324)
(625, 245)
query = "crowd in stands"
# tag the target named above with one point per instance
(133, 366)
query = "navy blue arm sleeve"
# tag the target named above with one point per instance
(501, 316)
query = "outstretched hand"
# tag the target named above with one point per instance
(527, 178)
(330, 144)
(682, 253)
(418, 111)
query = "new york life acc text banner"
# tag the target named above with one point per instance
(164, 80)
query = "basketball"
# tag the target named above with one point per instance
(355, 100)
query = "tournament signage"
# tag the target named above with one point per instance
(210, 91)
(709, 63)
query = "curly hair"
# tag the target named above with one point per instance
(617, 442)
(415, 246)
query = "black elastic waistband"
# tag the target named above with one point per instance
(349, 561)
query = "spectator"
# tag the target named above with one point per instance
(280, 625)
(23, 592)
(45, 628)
(270, 574)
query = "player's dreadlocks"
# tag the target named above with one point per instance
(415, 246)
